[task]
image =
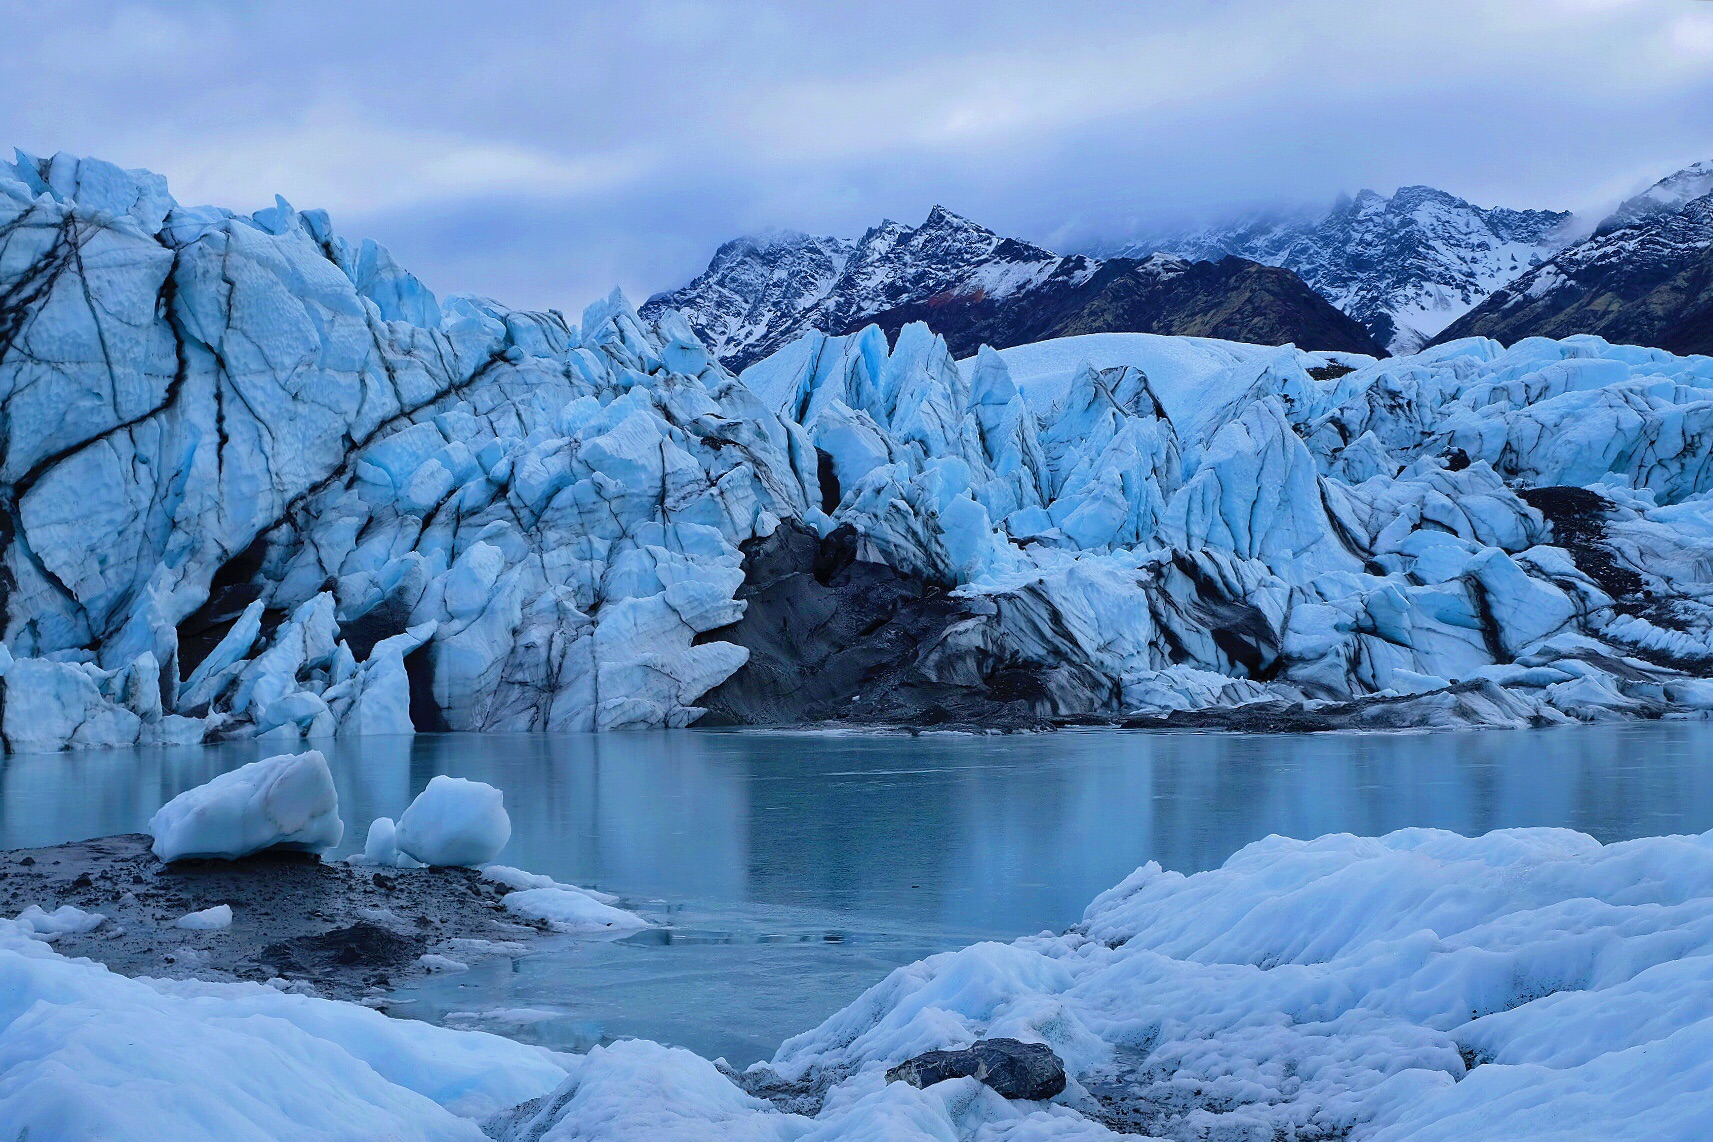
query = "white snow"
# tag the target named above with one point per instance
(1529, 983)
(1670, 193)
(90, 1054)
(64, 920)
(208, 920)
(454, 821)
(1406, 265)
(280, 802)
(568, 909)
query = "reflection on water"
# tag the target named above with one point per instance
(797, 868)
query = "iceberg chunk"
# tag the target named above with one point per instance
(64, 920)
(455, 821)
(280, 802)
(212, 919)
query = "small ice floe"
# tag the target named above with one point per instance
(506, 949)
(565, 907)
(519, 879)
(441, 965)
(208, 920)
(568, 909)
(381, 847)
(280, 802)
(62, 921)
(455, 822)
(511, 1018)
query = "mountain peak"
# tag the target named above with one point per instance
(942, 218)
(974, 286)
(1405, 266)
(1667, 196)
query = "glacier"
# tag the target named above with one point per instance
(1421, 985)
(260, 481)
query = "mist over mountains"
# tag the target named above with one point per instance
(1395, 273)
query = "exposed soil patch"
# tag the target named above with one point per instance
(348, 931)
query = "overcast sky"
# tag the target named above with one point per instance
(543, 152)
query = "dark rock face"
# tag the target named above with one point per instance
(835, 639)
(1233, 299)
(1648, 283)
(1014, 1069)
(1394, 263)
(975, 287)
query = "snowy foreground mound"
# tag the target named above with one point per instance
(1525, 984)
(260, 481)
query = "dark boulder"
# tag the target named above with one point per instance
(1012, 1068)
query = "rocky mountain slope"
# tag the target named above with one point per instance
(1667, 196)
(258, 481)
(1648, 281)
(974, 287)
(1405, 266)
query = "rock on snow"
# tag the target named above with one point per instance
(454, 821)
(280, 802)
(266, 484)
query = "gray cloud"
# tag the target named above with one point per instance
(542, 152)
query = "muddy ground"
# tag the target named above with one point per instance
(344, 931)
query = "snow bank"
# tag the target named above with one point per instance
(279, 802)
(89, 1054)
(454, 821)
(1418, 985)
(1529, 983)
(569, 909)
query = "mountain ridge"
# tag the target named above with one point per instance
(975, 286)
(1405, 265)
(1647, 282)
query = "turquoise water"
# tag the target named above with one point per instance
(792, 870)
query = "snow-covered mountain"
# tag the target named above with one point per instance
(1406, 266)
(259, 481)
(755, 292)
(976, 287)
(1667, 196)
(1648, 282)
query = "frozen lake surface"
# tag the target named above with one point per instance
(793, 870)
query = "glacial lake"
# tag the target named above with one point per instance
(791, 870)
